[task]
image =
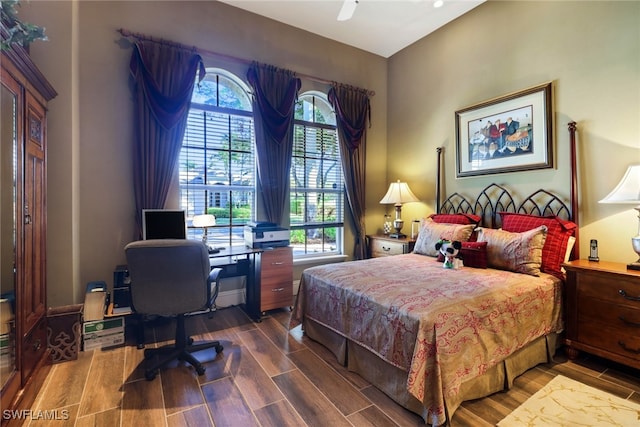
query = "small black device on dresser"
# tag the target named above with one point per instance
(593, 251)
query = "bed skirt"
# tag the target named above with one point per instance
(393, 381)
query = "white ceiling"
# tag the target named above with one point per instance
(383, 27)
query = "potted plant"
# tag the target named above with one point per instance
(14, 30)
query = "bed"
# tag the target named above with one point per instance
(430, 337)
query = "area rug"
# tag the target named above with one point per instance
(565, 402)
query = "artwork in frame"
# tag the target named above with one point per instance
(506, 134)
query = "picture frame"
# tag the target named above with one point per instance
(506, 134)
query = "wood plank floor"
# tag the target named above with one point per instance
(266, 376)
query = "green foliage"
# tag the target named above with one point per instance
(297, 236)
(20, 32)
(330, 234)
(238, 213)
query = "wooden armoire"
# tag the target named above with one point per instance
(24, 95)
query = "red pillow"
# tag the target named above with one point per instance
(456, 218)
(555, 246)
(473, 254)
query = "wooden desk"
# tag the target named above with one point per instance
(239, 261)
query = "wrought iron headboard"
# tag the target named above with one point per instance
(496, 198)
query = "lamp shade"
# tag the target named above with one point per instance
(398, 193)
(204, 220)
(628, 189)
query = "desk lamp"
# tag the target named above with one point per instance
(204, 222)
(628, 192)
(398, 193)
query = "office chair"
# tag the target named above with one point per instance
(172, 277)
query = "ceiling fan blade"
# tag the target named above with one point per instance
(346, 12)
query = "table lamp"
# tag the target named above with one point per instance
(628, 192)
(204, 222)
(398, 193)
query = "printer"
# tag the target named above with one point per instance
(258, 235)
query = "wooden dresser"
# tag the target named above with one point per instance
(274, 284)
(602, 302)
(380, 246)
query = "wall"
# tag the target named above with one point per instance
(591, 53)
(589, 50)
(90, 199)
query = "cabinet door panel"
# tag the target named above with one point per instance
(34, 216)
(33, 348)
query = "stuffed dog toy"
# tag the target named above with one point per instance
(449, 249)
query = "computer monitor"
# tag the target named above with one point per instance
(163, 224)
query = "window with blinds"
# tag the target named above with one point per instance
(317, 189)
(217, 159)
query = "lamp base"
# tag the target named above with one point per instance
(634, 265)
(397, 235)
(635, 242)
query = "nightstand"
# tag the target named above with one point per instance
(602, 303)
(380, 245)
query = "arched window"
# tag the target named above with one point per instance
(217, 160)
(317, 189)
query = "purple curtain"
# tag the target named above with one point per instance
(352, 112)
(163, 77)
(275, 92)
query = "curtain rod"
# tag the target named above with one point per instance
(140, 36)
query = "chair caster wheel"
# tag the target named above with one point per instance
(219, 348)
(148, 353)
(189, 341)
(150, 375)
(200, 370)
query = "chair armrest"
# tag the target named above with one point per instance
(213, 275)
(214, 286)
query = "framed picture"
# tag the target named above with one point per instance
(506, 134)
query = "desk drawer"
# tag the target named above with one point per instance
(276, 295)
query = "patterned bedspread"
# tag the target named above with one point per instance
(444, 327)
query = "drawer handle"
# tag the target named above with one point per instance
(630, 350)
(630, 323)
(630, 298)
(277, 263)
(384, 248)
(277, 290)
